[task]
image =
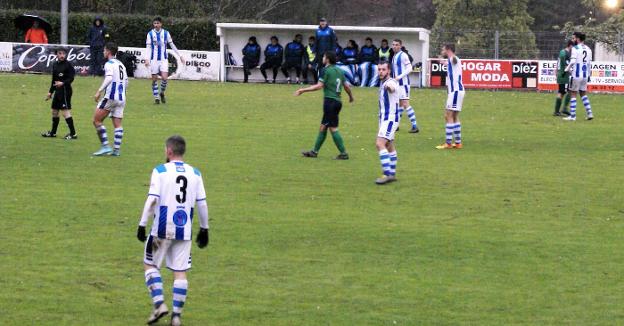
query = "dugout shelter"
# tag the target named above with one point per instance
(234, 36)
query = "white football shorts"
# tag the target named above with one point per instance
(176, 252)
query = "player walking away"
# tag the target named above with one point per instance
(273, 56)
(563, 77)
(294, 57)
(175, 189)
(388, 123)
(401, 68)
(580, 70)
(112, 103)
(368, 64)
(309, 61)
(332, 82)
(158, 63)
(251, 57)
(455, 98)
(61, 92)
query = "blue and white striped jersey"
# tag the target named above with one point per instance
(389, 101)
(178, 186)
(157, 42)
(580, 59)
(116, 90)
(454, 75)
(401, 66)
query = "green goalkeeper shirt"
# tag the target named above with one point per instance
(563, 77)
(333, 80)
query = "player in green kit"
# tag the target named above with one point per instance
(563, 78)
(332, 82)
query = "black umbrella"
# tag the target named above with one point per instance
(25, 21)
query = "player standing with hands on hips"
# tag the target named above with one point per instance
(388, 123)
(175, 189)
(455, 98)
(62, 77)
(112, 103)
(157, 61)
(401, 68)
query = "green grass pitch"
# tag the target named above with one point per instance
(522, 226)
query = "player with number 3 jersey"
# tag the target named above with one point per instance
(176, 188)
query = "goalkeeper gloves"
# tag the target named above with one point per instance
(141, 234)
(202, 238)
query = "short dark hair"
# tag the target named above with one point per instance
(368, 39)
(177, 144)
(322, 19)
(450, 46)
(398, 41)
(580, 36)
(60, 49)
(384, 40)
(569, 43)
(312, 38)
(157, 19)
(111, 47)
(331, 56)
(384, 62)
(274, 38)
(298, 35)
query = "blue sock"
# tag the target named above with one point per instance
(449, 133)
(587, 106)
(412, 116)
(118, 136)
(154, 284)
(384, 157)
(101, 131)
(155, 88)
(573, 107)
(179, 295)
(163, 86)
(393, 162)
(457, 132)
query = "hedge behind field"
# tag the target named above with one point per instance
(126, 30)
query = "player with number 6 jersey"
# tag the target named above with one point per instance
(112, 103)
(176, 188)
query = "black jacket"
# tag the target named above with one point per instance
(97, 35)
(62, 71)
(294, 52)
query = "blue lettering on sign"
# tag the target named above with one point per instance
(180, 217)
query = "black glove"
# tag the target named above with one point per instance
(202, 238)
(141, 234)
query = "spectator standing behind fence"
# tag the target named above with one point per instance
(293, 55)
(309, 60)
(368, 64)
(251, 57)
(36, 35)
(325, 41)
(273, 56)
(97, 36)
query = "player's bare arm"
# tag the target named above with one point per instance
(347, 89)
(313, 88)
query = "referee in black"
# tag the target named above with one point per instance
(61, 92)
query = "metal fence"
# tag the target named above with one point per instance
(509, 44)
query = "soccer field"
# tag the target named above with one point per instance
(522, 226)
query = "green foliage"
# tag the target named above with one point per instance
(610, 32)
(126, 30)
(474, 21)
(522, 227)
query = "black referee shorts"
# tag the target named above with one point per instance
(563, 89)
(62, 99)
(331, 110)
